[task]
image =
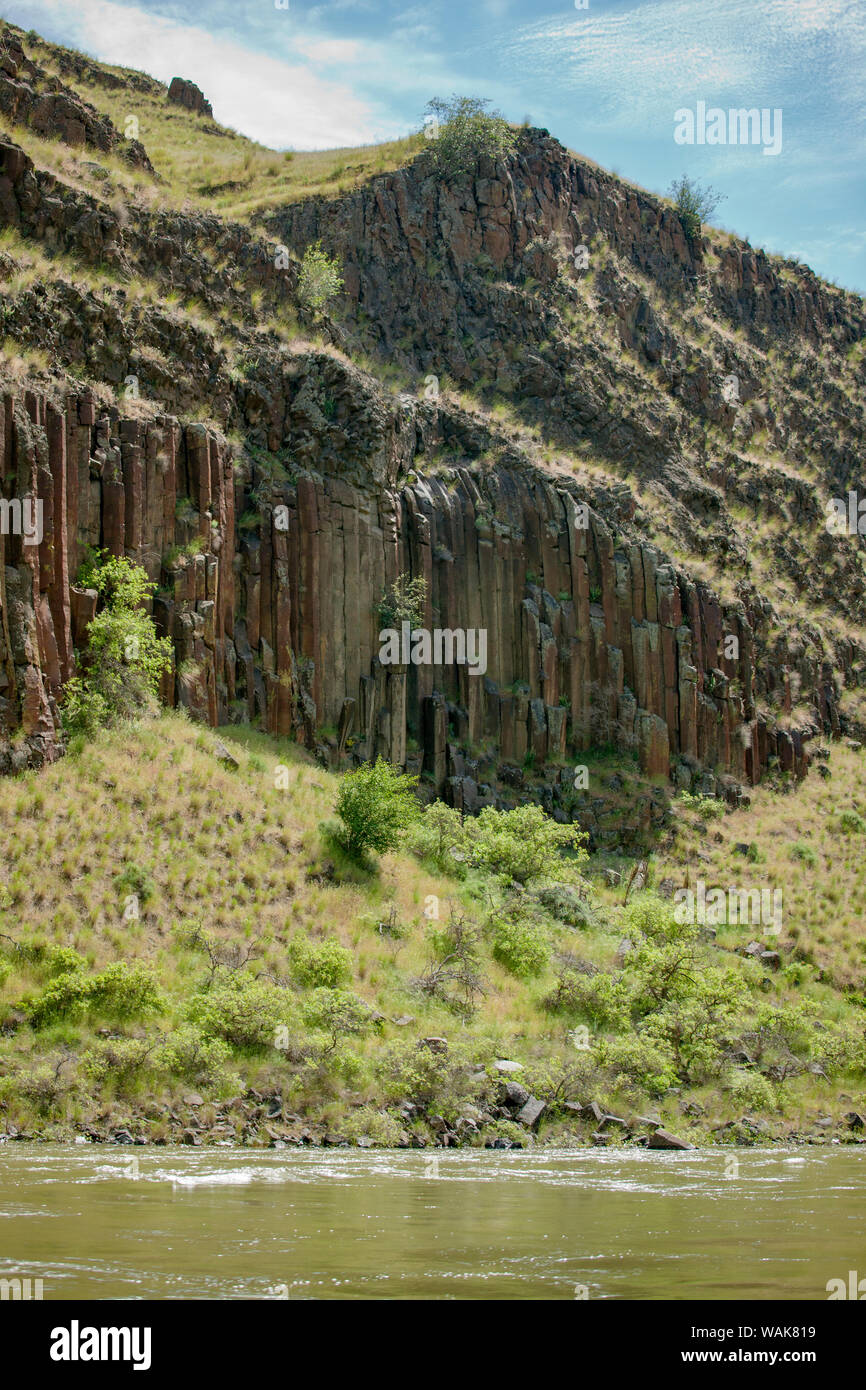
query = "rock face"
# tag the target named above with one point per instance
(184, 93)
(276, 614)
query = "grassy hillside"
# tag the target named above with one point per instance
(219, 886)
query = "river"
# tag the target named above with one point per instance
(156, 1223)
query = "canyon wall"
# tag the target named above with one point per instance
(591, 639)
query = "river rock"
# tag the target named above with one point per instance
(663, 1139)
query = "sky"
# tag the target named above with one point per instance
(610, 80)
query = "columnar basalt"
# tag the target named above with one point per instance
(592, 638)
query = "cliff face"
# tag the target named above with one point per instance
(589, 641)
(275, 492)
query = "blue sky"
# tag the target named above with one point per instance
(606, 80)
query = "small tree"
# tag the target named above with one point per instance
(525, 844)
(376, 805)
(320, 277)
(404, 602)
(125, 659)
(462, 130)
(695, 203)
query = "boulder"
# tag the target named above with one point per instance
(663, 1139)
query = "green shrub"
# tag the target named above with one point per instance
(464, 129)
(567, 906)
(524, 845)
(124, 660)
(377, 806)
(694, 202)
(437, 835)
(752, 1090)
(325, 966)
(62, 960)
(804, 853)
(405, 602)
(644, 1061)
(193, 1056)
(245, 1013)
(521, 948)
(319, 279)
(121, 991)
(852, 823)
(337, 1012)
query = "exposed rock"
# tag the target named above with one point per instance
(184, 93)
(663, 1139)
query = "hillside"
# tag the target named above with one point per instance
(153, 849)
(605, 444)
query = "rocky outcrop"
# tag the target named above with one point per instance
(182, 92)
(32, 97)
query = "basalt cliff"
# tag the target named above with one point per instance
(609, 447)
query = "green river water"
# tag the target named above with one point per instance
(155, 1223)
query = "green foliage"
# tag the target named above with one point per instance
(437, 835)
(319, 279)
(338, 1012)
(120, 991)
(852, 823)
(695, 203)
(750, 1089)
(525, 845)
(124, 660)
(707, 807)
(464, 129)
(644, 1061)
(404, 602)
(243, 1012)
(324, 966)
(195, 1057)
(377, 805)
(565, 903)
(519, 946)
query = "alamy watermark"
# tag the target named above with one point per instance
(736, 126)
(22, 516)
(752, 907)
(441, 647)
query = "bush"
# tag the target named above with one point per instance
(694, 202)
(245, 1013)
(438, 833)
(124, 661)
(752, 1090)
(404, 602)
(121, 1061)
(567, 906)
(524, 844)
(319, 279)
(123, 991)
(120, 991)
(852, 823)
(464, 129)
(337, 1012)
(376, 805)
(519, 947)
(190, 1054)
(325, 966)
(644, 1061)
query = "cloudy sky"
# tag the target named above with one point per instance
(607, 80)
